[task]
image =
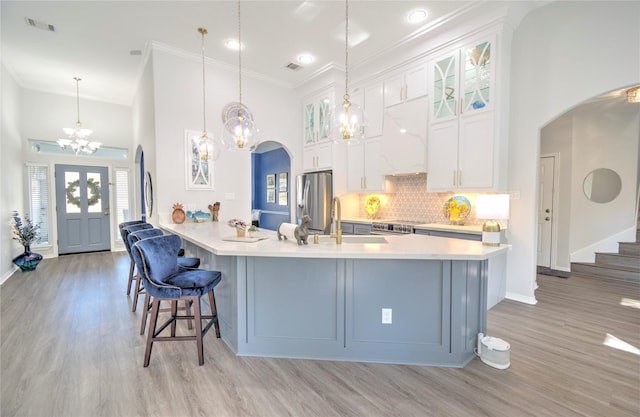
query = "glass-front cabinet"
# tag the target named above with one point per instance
(463, 82)
(463, 137)
(317, 119)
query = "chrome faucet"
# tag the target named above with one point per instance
(335, 209)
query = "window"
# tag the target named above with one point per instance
(121, 198)
(38, 176)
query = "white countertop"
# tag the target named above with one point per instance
(209, 235)
(474, 229)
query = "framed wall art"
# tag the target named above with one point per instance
(198, 171)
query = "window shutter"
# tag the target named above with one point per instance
(39, 200)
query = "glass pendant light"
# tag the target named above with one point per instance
(239, 132)
(206, 149)
(349, 119)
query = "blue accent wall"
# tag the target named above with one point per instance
(276, 162)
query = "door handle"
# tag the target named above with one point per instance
(106, 211)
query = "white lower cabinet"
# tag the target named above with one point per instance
(363, 167)
(317, 157)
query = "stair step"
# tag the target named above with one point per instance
(629, 248)
(608, 271)
(631, 262)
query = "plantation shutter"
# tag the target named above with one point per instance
(39, 200)
(121, 189)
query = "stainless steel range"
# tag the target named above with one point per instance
(392, 227)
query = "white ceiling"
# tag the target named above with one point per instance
(93, 39)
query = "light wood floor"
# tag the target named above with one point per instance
(70, 347)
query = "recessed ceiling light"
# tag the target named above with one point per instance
(232, 44)
(417, 16)
(305, 59)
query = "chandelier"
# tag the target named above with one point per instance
(348, 117)
(77, 140)
(239, 132)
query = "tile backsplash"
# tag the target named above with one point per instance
(410, 201)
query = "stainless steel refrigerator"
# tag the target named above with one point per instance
(314, 193)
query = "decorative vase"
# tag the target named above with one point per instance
(28, 260)
(240, 232)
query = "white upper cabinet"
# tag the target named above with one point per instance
(374, 109)
(406, 86)
(464, 143)
(317, 118)
(317, 149)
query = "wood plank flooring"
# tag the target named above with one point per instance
(70, 347)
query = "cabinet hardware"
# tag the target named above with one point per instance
(455, 107)
(454, 177)
(460, 178)
(547, 218)
(461, 110)
(547, 211)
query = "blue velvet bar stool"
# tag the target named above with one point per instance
(124, 240)
(183, 262)
(124, 232)
(163, 279)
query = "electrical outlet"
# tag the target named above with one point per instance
(386, 316)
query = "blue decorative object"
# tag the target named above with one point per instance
(198, 216)
(478, 104)
(28, 261)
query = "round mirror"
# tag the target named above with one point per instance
(602, 185)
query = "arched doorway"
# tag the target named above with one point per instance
(271, 189)
(602, 132)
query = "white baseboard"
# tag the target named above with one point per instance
(521, 298)
(8, 274)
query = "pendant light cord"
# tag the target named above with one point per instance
(346, 51)
(203, 31)
(78, 79)
(239, 61)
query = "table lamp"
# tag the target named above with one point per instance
(492, 207)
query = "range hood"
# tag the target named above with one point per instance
(404, 138)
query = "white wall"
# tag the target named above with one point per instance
(178, 106)
(562, 54)
(11, 172)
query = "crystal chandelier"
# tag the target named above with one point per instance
(348, 117)
(77, 140)
(239, 132)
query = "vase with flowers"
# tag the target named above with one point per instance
(239, 225)
(26, 233)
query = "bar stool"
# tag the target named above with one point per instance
(124, 232)
(184, 263)
(157, 264)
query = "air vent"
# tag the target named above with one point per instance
(294, 67)
(40, 25)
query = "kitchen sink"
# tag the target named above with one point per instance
(352, 239)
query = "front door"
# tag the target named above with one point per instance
(545, 210)
(82, 195)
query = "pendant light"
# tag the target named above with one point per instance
(239, 132)
(206, 149)
(349, 119)
(78, 135)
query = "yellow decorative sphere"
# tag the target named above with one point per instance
(372, 205)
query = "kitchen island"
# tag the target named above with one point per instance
(328, 301)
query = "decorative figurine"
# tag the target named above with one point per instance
(215, 211)
(178, 216)
(290, 230)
